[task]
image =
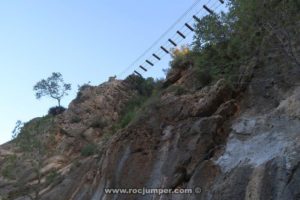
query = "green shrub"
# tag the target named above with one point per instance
(84, 86)
(75, 119)
(31, 138)
(177, 90)
(129, 112)
(147, 88)
(98, 122)
(9, 167)
(204, 77)
(56, 110)
(88, 150)
(144, 87)
(127, 118)
(107, 135)
(51, 177)
(80, 98)
(182, 58)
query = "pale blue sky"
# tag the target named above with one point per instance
(85, 40)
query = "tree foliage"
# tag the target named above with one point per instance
(224, 42)
(31, 140)
(54, 86)
(18, 128)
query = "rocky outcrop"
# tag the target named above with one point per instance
(96, 107)
(92, 114)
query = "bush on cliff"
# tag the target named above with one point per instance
(56, 110)
(182, 58)
(88, 150)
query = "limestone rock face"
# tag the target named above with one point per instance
(221, 142)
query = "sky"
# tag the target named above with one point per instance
(86, 41)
